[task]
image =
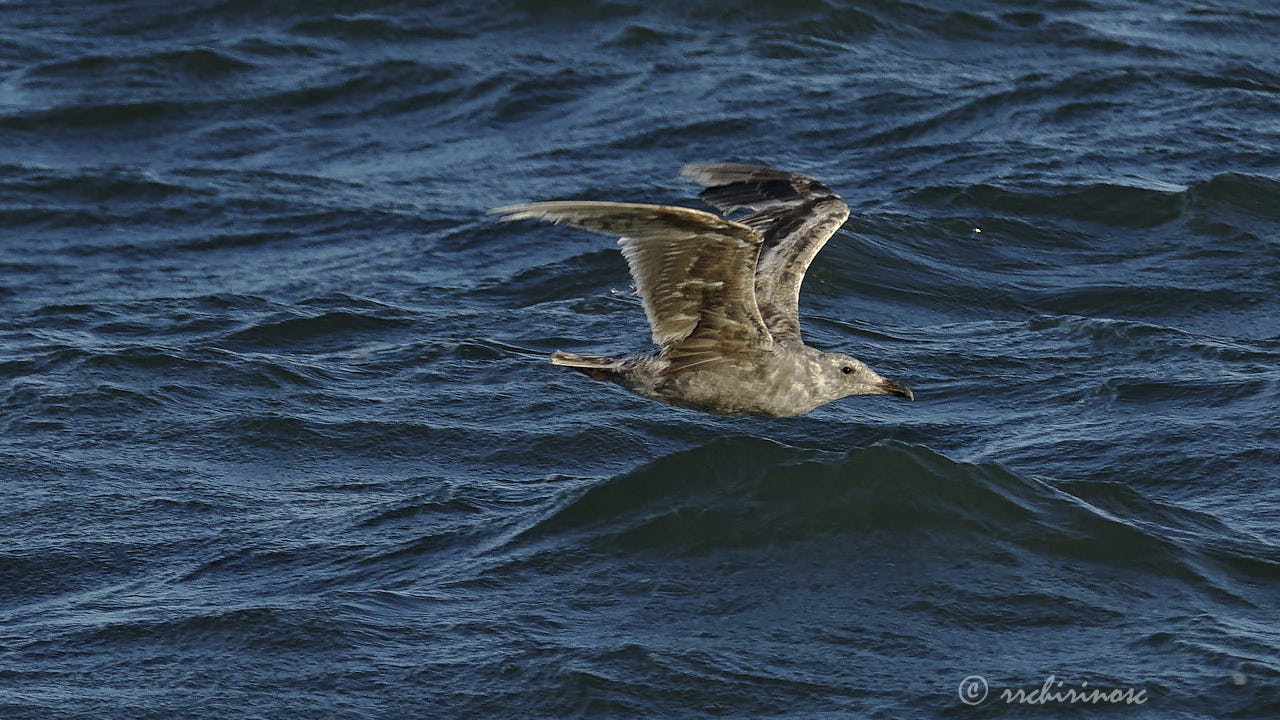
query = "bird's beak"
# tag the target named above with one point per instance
(896, 389)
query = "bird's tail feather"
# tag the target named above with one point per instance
(594, 365)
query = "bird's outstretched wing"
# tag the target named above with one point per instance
(695, 273)
(794, 214)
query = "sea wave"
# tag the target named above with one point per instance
(739, 493)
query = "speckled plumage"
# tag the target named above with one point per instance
(721, 295)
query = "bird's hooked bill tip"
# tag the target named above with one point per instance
(896, 389)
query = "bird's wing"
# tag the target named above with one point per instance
(795, 216)
(694, 272)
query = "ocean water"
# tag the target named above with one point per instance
(279, 437)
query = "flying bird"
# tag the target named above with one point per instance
(722, 295)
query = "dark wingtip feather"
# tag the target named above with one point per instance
(734, 186)
(754, 195)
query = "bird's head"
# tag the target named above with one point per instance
(847, 375)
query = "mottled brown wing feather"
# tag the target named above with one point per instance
(795, 216)
(694, 272)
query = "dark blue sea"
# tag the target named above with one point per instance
(279, 438)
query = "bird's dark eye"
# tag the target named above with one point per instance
(846, 369)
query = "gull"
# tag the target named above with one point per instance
(721, 295)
